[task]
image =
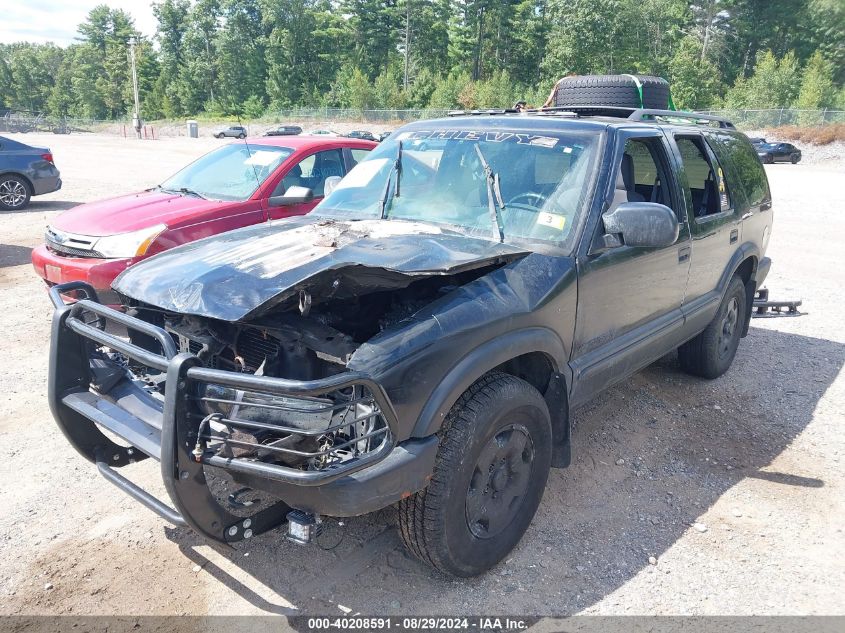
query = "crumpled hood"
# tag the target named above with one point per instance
(243, 273)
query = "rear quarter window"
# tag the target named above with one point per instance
(746, 172)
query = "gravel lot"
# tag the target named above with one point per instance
(685, 497)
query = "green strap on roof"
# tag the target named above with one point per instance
(640, 92)
(639, 87)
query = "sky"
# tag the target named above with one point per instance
(56, 20)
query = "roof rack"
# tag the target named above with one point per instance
(650, 115)
(632, 114)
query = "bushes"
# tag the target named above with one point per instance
(820, 135)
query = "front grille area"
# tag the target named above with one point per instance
(276, 428)
(307, 433)
(70, 251)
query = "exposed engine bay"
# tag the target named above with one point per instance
(301, 340)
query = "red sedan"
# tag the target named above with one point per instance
(236, 185)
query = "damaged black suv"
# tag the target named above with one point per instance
(421, 337)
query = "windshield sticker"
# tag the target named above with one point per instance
(520, 138)
(262, 158)
(552, 220)
(362, 174)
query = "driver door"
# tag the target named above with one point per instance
(310, 172)
(629, 298)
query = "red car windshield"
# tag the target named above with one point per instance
(232, 172)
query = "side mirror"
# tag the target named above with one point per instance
(643, 224)
(294, 195)
(330, 184)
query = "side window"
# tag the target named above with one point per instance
(312, 172)
(708, 188)
(642, 174)
(748, 175)
(358, 155)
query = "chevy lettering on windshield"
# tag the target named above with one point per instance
(519, 138)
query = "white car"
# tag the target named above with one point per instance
(319, 132)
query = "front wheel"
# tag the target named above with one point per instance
(14, 193)
(241, 135)
(491, 470)
(711, 353)
(794, 159)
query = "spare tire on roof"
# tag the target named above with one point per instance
(619, 91)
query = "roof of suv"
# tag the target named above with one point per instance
(592, 116)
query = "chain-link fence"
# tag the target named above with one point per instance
(354, 115)
(26, 121)
(775, 117)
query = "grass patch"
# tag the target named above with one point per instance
(818, 135)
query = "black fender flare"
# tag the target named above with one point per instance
(481, 360)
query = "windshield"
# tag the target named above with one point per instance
(232, 172)
(538, 182)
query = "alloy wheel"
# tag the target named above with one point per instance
(12, 193)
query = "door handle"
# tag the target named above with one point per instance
(683, 254)
(747, 215)
(734, 235)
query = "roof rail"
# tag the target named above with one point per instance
(499, 111)
(645, 114)
(631, 114)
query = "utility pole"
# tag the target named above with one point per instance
(407, 40)
(136, 118)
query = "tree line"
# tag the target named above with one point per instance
(251, 57)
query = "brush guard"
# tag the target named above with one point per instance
(184, 437)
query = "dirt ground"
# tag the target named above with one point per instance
(685, 496)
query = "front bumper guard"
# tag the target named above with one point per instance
(78, 410)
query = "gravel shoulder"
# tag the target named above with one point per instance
(685, 496)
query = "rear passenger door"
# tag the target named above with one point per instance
(713, 221)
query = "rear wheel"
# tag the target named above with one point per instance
(768, 159)
(711, 353)
(491, 470)
(14, 193)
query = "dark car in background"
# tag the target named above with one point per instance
(778, 152)
(25, 171)
(383, 135)
(232, 131)
(284, 130)
(362, 134)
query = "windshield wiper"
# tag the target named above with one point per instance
(190, 192)
(183, 190)
(397, 167)
(494, 195)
